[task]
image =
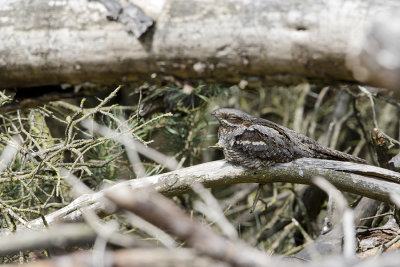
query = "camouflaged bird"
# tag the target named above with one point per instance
(257, 143)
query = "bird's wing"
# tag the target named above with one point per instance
(308, 146)
(283, 131)
(264, 144)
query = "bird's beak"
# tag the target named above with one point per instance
(214, 113)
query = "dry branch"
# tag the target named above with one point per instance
(163, 213)
(365, 180)
(332, 242)
(131, 258)
(188, 257)
(60, 236)
(73, 42)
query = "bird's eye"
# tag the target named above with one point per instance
(234, 119)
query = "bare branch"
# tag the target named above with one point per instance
(349, 245)
(365, 180)
(132, 258)
(163, 213)
(132, 146)
(211, 209)
(60, 236)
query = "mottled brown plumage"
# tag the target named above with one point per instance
(257, 143)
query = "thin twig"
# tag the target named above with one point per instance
(349, 246)
(212, 209)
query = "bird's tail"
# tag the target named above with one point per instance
(329, 153)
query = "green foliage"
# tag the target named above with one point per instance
(183, 133)
(51, 137)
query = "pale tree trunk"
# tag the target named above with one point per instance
(55, 42)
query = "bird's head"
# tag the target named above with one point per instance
(228, 117)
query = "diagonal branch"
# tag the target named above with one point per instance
(365, 180)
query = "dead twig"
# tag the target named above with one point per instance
(163, 213)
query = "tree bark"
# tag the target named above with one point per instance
(355, 178)
(58, 42)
